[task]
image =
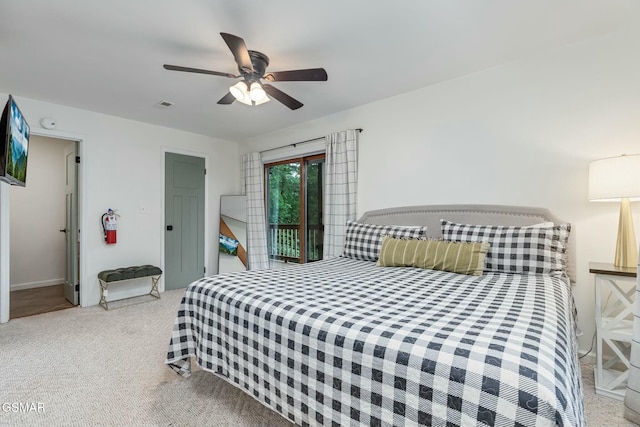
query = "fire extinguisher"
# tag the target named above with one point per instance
(110, 226)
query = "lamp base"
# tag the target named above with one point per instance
(626, 248)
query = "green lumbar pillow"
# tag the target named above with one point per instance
(455, 257)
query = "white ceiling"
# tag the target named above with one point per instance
(107, 56)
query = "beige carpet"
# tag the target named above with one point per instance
(91, 367)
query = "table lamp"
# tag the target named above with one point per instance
(617, 179)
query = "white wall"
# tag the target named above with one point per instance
(4, 252)
(122, 167)
(37, 214)
(519, 134)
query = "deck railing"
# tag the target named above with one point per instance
(284, 242)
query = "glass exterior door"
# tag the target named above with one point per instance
(314, 193)
(294, 193)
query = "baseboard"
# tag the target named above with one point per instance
(32, 285)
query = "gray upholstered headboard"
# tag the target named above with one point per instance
(430, 215)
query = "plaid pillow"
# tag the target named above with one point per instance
(521, 250)
(363, 241)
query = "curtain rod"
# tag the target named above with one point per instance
(298, 143)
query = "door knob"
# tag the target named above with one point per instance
(169, 227)
(64, 230)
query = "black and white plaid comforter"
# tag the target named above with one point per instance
(344, 342)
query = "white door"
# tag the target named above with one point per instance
(71, 285)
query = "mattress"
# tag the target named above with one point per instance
(345, 342)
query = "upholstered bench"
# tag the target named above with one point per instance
(121, 274)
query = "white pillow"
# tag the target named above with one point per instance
(541, 225)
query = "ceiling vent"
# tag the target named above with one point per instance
(163, 104)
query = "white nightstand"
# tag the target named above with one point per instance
(614, 326)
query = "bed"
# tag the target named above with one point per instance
(350, 341)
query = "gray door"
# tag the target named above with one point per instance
(71, 292)
(184, 217)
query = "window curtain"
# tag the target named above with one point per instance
(632, 395)
(253, 187)
(341, 187)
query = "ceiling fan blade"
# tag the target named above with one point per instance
(197, 70)
(239, 50)
(308, 75)
(227, 99)
(290, 102)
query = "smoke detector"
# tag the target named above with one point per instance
(48, 123)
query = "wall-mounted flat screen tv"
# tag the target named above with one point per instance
(14, 145)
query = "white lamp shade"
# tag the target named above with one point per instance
(615, 178)
(257, 93)
(239, 90)
(263, 100)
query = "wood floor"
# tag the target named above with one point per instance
(28, 302)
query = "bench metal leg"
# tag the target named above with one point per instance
(154, 287)
(103, 294)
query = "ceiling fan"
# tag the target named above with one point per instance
(252, 67)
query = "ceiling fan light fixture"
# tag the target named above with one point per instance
(251, 67)
(257, 93)
(239, 91)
